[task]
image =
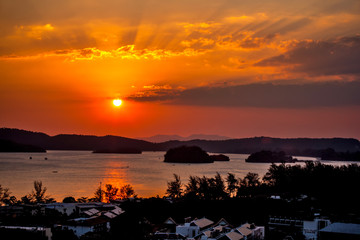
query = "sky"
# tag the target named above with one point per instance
(236, 68)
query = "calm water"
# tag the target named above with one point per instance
(79, 173)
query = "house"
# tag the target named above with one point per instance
(170, 225)
(232, 236)
(194, 228)
(25, 232)
(91, 212)
(250, 231)
(81, 226)
(205, 229)
(167, 236)
(64, 208)
(244, 231)
(202, 223)
(343, 231)
(311, 228)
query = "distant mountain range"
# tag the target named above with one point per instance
(164, 138)
(293, 146)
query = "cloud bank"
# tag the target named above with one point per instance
(335, 57)
(329, 94)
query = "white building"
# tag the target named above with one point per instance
(193, 228)
(65, 208)
(311, 228)
(343, 231)
(81, 226)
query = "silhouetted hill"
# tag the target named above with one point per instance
(10, 146)
(291, 146)
(73, 142)
(24, 137)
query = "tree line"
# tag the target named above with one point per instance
(39, 195)
(313, 179)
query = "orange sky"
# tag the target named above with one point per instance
(234, 68)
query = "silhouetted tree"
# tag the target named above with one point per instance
(111, 192)
(82, 199)
(5, 197)
(192, 188)
(98, 195)
(26, 199)
(232, 184)
(174, 189)
(126, 191)
(69, 200)
(251, 180)
(219, 188)
(38, 194)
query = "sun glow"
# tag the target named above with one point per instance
(117, 102)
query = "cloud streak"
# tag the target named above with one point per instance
(309, 95)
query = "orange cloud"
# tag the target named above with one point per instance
(34, 31)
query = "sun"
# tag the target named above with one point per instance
(117, 102)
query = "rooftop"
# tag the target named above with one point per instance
(348, 228)
(234, 236)
(203, 222)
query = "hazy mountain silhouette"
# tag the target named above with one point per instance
(163, 138)
(293, 146)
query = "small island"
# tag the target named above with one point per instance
(120, 151)
(192, 154)
(270, 157)
(220, 158)
(186, 154)
(10, 146)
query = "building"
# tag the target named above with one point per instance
(19, 232)
(311, 228)
(167, 236)
(81, 226)
(205, 229)
(193, 228)
(343, 231)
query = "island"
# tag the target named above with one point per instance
(220, 158)
(192, 154)
(119, 150)
(270, 157)
(186, 154)
(11, 146)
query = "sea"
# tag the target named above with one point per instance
(80, 173)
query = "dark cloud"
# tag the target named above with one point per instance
(337, 57)
(309, 95)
